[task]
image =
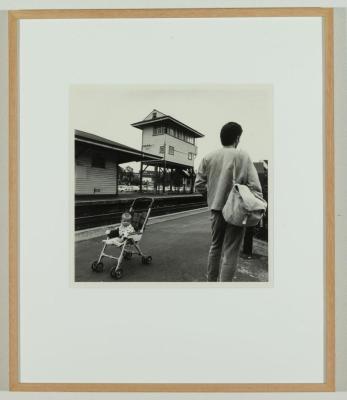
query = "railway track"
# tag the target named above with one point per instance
(112, 217)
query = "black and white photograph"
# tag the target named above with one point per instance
(172, 193)
(172, 183)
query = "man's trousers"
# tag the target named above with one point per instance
(227, 241)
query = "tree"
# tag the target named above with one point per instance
(136, 179)
(177, 179)
(120, 174)
(129, 174)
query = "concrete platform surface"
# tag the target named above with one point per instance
(90, 233)
(179, 248)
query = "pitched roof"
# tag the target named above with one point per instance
(97, 140)
(153, 119)
(154, 114)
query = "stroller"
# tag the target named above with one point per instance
(140, 210)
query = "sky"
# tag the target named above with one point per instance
(109, 111)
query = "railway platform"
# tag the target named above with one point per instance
(178, 245)
(93, 211)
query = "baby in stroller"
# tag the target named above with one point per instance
(117, 236)
(126, 237)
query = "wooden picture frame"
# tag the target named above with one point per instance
(14, 18)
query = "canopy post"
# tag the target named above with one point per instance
(141, 173)
(117, 177)
(156, 179)
(164, 177)
(171, 179)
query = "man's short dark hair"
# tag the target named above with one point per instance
(229, 133)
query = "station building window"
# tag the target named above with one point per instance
(171, 150)
(157, 130)
(162, 149)
(161, 130)
(190, 156)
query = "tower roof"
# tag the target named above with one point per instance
(156, 117)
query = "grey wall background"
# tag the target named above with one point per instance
(340, 47)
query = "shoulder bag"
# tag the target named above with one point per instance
(243, 207)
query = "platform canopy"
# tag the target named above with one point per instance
(124, 153)
(167, 164)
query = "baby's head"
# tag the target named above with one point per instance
(126, 219)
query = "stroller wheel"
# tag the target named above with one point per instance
(97, 267)
(117, 273)
(146, 259)
(127, 255)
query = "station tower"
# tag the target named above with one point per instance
(175, 142)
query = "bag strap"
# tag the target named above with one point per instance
(234, 171)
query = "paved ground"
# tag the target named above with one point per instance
(179, 249)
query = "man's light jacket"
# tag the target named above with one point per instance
(216, 171)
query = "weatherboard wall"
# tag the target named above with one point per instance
(152, 143)
(92, 180)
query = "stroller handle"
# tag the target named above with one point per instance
(150, 199)
(150, 204)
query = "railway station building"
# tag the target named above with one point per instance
(174, 142)
(97, 160)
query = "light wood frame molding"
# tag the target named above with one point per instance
(14, 17)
